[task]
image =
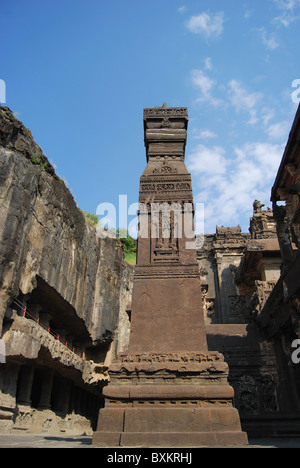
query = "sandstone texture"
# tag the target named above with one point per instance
(168, 389)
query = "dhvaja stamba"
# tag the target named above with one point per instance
(168, 389)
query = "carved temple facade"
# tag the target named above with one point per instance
(238, 271)
(251, 287)
(279, 318)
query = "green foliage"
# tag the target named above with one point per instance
(36, 159)
(91, 218)
(130, 258)
(126, 239)
(129, 245)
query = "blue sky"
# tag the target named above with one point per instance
(79, 73)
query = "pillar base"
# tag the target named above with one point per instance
(168, 427)
(170, 400)
(179, 439)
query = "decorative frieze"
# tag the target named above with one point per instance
(211, 356)
(165, 186)
(165, 111)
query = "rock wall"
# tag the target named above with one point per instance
(56, 273)
(43, 233)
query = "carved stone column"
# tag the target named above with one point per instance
(168, 390)
(8, 389)
(46, 390)
(62, 404)
(25, 385)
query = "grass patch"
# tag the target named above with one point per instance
(130, 257)
(91, 219)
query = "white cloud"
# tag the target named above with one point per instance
(181, 9)
(208, 63)
(264, 155)
(233, 94)
(228, 186)
(278, 131)
(243, 101)
(248, 13)
(204, 134)
(288, 10)
(205, 84)
(269, 40)
(204, 160)
(267, 114)
(207, 25)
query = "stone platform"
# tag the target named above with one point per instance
(169, 400)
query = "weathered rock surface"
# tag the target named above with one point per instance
(44, 235)
(63, 293)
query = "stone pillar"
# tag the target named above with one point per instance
(72, 398)
(78, 347)
(62, 404)
(34, 310)
(62, 333)
(8, 386)
(168, 389)
(76, 404)
(25, 385)
(45, 318)
(46, 390)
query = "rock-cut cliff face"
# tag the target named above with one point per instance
(48, 253)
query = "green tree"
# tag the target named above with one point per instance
(129, 245)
